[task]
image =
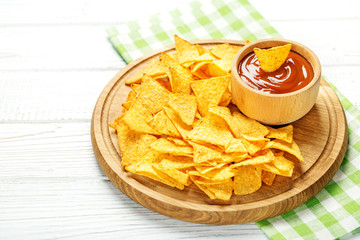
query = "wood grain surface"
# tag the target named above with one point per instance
(55, 59)
(321, 136)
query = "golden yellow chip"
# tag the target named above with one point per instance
(235, 146)
(177, 162)
(225, 51)
(183, 128)
(233, 157)
(152, 95)
(266, 157)
(222, 191)
(145, 169)
(291, 148)
(284, 133)
(216, 69)
(254, 146)
(186, 52)
(133, 145)
(202, 187)
(162, 145)
(178, 141)
(200, 70)
(184, 105)
(209, 92)
(272, 58)
(247, 180)
(248, 127)
(179, 84)
(201, 49)
(203, 169)
(205, 152)
(164, 178)
(212, 129)
(167, 61)
(268, 177)
(217, 175)
(220, 67)
(226, 98)
(154, 69)
(281, 163)
(175, 174)
(136, 118)
(162, 124)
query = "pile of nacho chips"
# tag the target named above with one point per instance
(179, 127)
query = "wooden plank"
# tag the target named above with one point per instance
(54, 48)
(110, 12)
(50, 95)
(52, 186)
(87, 47)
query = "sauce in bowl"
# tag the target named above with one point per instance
(295, 73)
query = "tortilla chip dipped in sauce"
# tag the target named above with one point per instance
(275, 70)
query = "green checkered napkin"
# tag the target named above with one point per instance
(332, 213)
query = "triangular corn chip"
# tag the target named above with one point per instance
(272, 58)
(209, 92)
(162, 124)
(185, 105)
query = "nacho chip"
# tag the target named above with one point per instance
(154, 69)
(220, 67)
(267, 177)
(133, 145)
(247, 180)
(179, 84)
(284, 133)
(222, 191)
(162, 145)
(164, 178)
(203, 169)
(183, 128)
(186, 52)
(265, 157)
(152, 95)
(200, 70)
(291, 148)
(136, 118)
(226, 98)
(209, 92)
(243, 125)
(218, 175)
(185, 106)
(235, 146)
(254, 146)
(162, 124)
(225, 51)
(178, 141)
(233, 157)
(181, 177)
(213, 130)
(272, 58)
(205, 152)
(281, 163)
(145, 169)
(177, 162)
(202, 187)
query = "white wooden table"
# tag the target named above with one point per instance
(55, 59)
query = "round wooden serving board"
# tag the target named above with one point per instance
(321, 136)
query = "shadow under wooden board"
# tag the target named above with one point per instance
(321, 136)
